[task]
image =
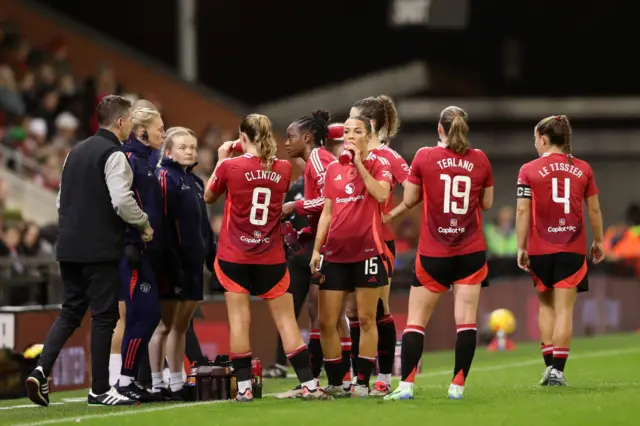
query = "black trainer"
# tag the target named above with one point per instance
(163, 394)
(111, 397)
(38, 388)
(132, 391)
(151, 396)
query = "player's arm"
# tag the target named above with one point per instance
(379, 186)
(309, 207)
(523, 211)
(411, 198)
(595, 217)
(323, 225)
(217, 183)
(486, 198)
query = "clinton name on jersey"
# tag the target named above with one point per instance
(250, 231)
(451, 185)
(557, 186)
(355, 232)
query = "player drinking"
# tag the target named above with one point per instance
(251, 258)
(454, 182)
(551, 236)
(381, 110)
(188, 234)
(354, 260)
(139, 288)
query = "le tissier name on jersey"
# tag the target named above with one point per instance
(455, 162)
(263, 175)
(560, 167)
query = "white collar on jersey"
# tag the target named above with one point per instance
(442, 144)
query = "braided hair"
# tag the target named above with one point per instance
(317, 124)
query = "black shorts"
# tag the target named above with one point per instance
(264, 281)
(370, 273)
(559, 270)
(438, 274)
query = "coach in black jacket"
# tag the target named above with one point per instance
(94, 202)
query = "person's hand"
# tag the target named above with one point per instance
(132, 254)
(316, 262)
(147, 235)
(357, 157)
(386, 218)
(225, 150)
(523, 260)
(288, 208)
(597, 252)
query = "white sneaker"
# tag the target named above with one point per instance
(456, 392)
(556, 378)
(360, 391)
(545, 376)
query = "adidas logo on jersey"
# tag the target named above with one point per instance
(339, 177)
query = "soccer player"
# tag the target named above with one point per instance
(250, 255)
(188, 236)
(139, 287)
(306, 139)
(381, 110)
(456, 183)
(354, 259)
(551, 236)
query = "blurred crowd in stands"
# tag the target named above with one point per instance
(45, 109)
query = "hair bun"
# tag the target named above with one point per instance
(322, 116)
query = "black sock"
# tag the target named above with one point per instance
(354, 330)
(315, 353)
(335, 371)
(346, 345)
(465, 351)
(547, 353)
(386, 343)
(364, 368)
(412, 348)
(242, 366)
(281, 357)
(560, 356)
(299, 360)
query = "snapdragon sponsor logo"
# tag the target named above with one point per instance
(349, 199)
(559, 229)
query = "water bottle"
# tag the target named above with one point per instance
(237, 147)
(290, 237)
(256, 373)
(346, 157)
(191, 384)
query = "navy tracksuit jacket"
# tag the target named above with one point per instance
(186, 227)
(138, 268)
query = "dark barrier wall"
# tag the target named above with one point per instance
(610, 306)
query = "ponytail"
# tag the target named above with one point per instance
(392, 123)
(457, 136)
(259, 130)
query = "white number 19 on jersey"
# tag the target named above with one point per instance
(458, 187)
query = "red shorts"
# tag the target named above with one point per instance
(559, 270)
(438, 274)
(264, 281)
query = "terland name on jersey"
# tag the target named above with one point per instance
(560, 167)
(263, 175)
(455, 162)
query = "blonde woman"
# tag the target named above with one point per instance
(188, 242)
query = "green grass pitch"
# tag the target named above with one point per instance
(604, 389)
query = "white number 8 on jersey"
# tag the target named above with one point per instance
(260, 210)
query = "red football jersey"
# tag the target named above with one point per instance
(250, 231)
(314, 179)
(451, 185)
(557, 186)
(355, 232)
(400, 172)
